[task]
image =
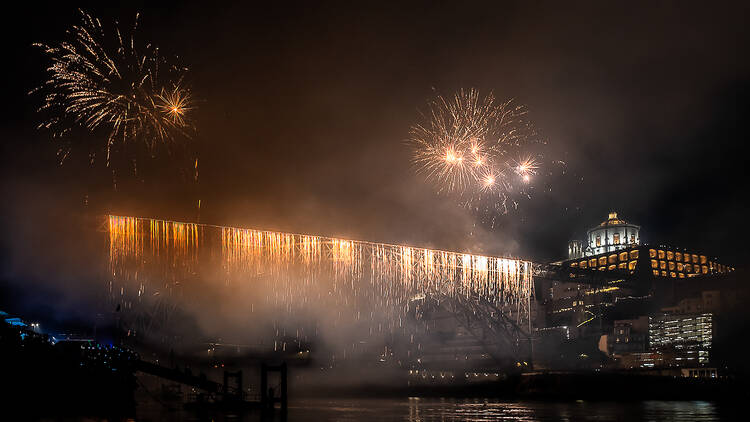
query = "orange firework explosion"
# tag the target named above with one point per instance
(127, 92)
(465, 145)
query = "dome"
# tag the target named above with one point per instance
(611, 235)
(612, 220)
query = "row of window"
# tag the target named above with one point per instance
(615, 239)
(679, 266)
(621, 266)
(622, 257)
(672, 274)
(677, 256)
(677, 262)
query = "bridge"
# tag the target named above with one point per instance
(157, 265)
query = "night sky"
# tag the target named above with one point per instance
(304, 111)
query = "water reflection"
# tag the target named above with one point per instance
(417, 409)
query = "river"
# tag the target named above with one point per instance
(415, 409)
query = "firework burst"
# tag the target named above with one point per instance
(111, 85)
(471, 146)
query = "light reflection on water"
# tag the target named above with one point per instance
(416, 409)
(425, 410)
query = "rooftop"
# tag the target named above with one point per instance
(612, 220)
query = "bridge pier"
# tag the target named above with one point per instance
(267, 395)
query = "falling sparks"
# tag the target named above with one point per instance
(109, 84)
(295, 271)
(466, 145)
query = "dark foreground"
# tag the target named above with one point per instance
(88, 381)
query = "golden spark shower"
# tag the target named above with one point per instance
(476, 148)
(117, 87)
(155, 258)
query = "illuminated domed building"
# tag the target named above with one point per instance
(613, 274)
(615, 244)
(637, 298)
(611, 235)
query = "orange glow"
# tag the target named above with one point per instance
(396, 272)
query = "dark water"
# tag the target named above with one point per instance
(420, 410)
(416, 409)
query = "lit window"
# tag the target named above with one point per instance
(671, 265)
(680, 266)
(661, 254)
(634, 254)
(624, 256)
(603, 260)
(688, 268)
(574, 264)
(652, 253)
(704, 269)
(695, 259)
(703, 259)
(663, 265)
(583, 264)
(670, 255)
(654, 263)
(612, 267)
(673, 274)
(616, 238)
(656, 273)
(592, 262)
(663, 273)
(612, 259)
(681, 275)
(622, 266)
(598, 241)
(632, 264)
(678, 256)
(632, 238)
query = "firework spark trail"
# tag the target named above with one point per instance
(295, 271)
(471, 145)
(109, 83)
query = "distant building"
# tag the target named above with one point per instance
(613, 279)
(616, 245)
(688, 336)
(660, 261)
(629, 336)
(698, 372)
(611, 235)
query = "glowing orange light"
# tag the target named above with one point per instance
(526, 168)
(450, 156)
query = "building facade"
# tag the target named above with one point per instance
(688, 336)
(611, 283)
(660, 261)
